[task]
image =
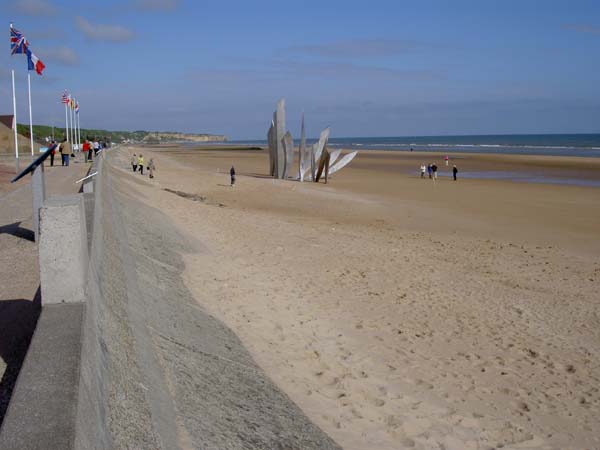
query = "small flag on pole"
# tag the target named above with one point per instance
(65, 97)
(18, 43)
(34, 63)
(77, 107)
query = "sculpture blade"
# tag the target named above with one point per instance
(302, 152)
(323, 138)
(279, 133)
(343, 162)
(288, 148)
(334, 156)
(272, 150)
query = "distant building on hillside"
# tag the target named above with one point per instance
(8, 120)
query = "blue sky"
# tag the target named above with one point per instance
(378, 68)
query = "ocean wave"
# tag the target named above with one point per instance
(432, 145)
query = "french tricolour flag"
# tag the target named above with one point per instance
(34, 63)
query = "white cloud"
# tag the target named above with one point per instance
(35, 7)
(63, 55)
(103, 32)
(156, 5)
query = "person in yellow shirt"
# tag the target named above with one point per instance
(141, 163)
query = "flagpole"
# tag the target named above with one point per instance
(78, 129)
(30, 114)
(71, 122)
(78, 125)
(15, 122)
(74, 122)
(66, 124)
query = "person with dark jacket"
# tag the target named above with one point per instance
(232, 175)
(454, 172)
(434, 171)
(52, 152)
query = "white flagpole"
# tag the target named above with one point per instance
(74, 124)
(78, 128)
(66, 124)
(73, 127)
(71, 121)
(30, 115)
(15, 122)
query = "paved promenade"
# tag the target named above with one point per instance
(19, 273)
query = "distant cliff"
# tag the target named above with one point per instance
(42, 133)
(157, 136)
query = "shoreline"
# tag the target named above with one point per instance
(529, 169)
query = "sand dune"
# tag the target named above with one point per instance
(7, 142)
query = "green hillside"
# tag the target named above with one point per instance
(40, 132)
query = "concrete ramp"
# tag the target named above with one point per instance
(158, 371)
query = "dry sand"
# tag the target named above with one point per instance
(399, 312)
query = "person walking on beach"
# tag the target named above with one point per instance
(434, 170)
(65, 148)
(429, 170)
(454, 172)
(52, 152)
(232, 175)
(141, 163)
(446, 159)
(151, 168)
(423, 169)
(134, 162)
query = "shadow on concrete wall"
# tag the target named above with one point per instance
(18, 319)
(15, 229)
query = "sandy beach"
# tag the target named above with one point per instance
(399, 312)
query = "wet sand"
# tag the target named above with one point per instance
(399, 312)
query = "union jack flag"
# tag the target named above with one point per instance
(18, 43)
(65, 97)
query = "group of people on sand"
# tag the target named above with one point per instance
(137, 163)
(432, 170)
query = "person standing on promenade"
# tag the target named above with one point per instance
(134, 162)
(141, 163)
(232, 175)
(423, 169)
(151, 168)
(454, 172)
(52, 152)
(90, 149)
(65, 148)
(434, 170)
(86, 148)
(96, 147)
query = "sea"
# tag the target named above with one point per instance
(582, 145)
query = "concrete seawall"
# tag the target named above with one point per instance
(155, 369)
